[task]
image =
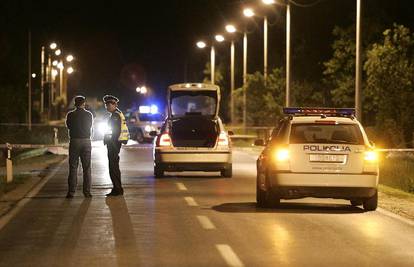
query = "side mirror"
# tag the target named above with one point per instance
(230, 132)
(259, 142)
(153, 133)
(371, 143)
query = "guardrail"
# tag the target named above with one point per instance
(9, 147)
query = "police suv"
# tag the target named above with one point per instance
(318, 152)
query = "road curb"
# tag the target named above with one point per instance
(395, 216)
(14, 210)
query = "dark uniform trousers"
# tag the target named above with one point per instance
(114, 147)
(79, 148)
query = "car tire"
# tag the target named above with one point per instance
(356, 203)
(140, 137)
(268, 198)
(158, 172)
(371, 204)
(228, 171)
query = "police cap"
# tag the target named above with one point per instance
(110, 99)
(79, 100)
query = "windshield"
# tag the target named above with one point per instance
(193, 103)
(320, 133)
(150, 117)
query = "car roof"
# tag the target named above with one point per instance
(194, 86)
(312, 119)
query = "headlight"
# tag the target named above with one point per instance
(148, 128)
(103, 128)
(281, 154)
(371, 156)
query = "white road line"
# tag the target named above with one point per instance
(190, 201)
(181, 186)
(229, 256)
(205, 222)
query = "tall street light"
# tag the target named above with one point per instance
(358, 69)
(265, 25)
(249, 13)
(201, 44)
(231, 29)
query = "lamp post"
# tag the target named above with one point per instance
(358, 69)
(287, 54)
(247, 12)
(231, 29)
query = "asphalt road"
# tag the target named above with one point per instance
(193, 219)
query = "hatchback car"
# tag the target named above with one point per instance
(318, 152)
(193, 137)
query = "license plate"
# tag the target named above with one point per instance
(327, 158)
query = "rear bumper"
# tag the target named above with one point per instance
(193, 166)
(347, 186)
(192, 157)
(293, 192)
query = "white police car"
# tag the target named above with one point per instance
(144, 121)
(318, 152)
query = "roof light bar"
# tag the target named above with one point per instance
(320, 111)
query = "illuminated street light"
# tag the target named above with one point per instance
(219, 38)
(58, 52)
(53, 46)
(55, 63)
(201, 44)
(54, 73)
(230, 28)
(248, 12)
(69, 58)
(138, 89)
(33, 75)
(144, 90)
(60, 65)
(268, 2)
(70, 70)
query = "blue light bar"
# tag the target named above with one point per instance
(144, 109)
(319, 111)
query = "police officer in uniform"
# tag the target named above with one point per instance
(119, 135)
(79, 123)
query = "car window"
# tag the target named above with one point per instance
(326, 133)
(193, 103)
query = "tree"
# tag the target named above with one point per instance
(390, 79)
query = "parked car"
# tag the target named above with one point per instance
(193, 137)
(318, 152)
(143, 121)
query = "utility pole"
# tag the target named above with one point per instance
(358, 69)
(42, 81)
(232, 82)
(29, 81)
(288, 55)
(213, 64)
(265, 50)
(244, 80)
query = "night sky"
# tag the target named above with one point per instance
(121, 44)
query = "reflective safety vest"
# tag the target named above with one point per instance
(124, 135)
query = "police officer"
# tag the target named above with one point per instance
(79, 123)
(119, 135)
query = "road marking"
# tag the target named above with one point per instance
(22, 202)
(229, 256)
(190, 201)
(181, 186)
(205, 222)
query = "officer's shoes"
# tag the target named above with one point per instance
(114, 194)
(87, 195)
(69, 195)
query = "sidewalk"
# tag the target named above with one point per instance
(36, 169)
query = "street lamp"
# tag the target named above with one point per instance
(53, 46)
(231, 29)
(70, 70)
(200, 44)
(248, 12)
(69, 58)
(58, 52)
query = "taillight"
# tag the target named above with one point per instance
(165, 140)
(223, 139)
(281, 154)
